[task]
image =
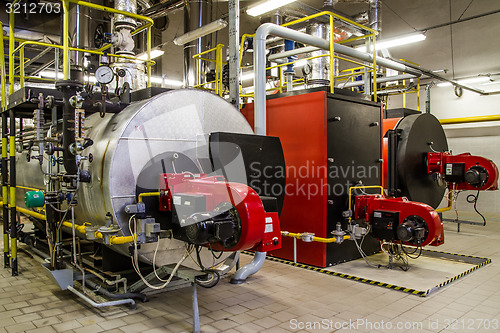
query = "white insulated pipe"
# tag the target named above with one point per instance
(268, 29)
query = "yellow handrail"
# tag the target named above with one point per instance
(65, 46)
(218, 69)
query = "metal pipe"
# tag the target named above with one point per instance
(379, 80)
(244, 272)
(104, 304)
(430, 73)
(75, 260)
(5, 178)
(291, 53)
(11, 50)
(375, 15)
(13, 212)
(428, 96)
(465, 120)
(234, 51)
(98, 288)
(267, 29)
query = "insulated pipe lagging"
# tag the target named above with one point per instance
(244, 272)
(267, 29)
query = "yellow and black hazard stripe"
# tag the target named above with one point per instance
(420, 293)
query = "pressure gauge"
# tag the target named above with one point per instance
(104, 74)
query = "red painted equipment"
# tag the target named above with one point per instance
(256, 229)
(464, 171)
(422, 167)
(392, 219)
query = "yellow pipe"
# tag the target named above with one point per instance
(31, 213)
(26, 211)
(113, 240)
(464, 120)
(148, 194)
(450, 203)
(314, 239)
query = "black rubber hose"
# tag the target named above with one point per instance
(98, 288)
(471, 198)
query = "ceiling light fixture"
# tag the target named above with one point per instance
(267, 6)
(398, 41)
(200, 32)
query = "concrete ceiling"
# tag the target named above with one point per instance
(465, 49)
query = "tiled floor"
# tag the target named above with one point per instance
(277, 299)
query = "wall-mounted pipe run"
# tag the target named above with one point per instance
(477, 119)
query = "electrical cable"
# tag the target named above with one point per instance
(135, 260)
(472, 198)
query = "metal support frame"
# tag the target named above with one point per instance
(234, 68)
(219, 88)
(13, 212)
(5, 180)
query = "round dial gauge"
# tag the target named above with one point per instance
(104, 74)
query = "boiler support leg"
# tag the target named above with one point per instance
(196, 312)
(244, 272)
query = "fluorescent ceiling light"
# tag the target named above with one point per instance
(267, 6)
(154, 54)
(200, 32)
(465, 81)
(392, 42)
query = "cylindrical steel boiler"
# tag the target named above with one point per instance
(174, 125)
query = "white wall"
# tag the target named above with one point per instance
(476, 46)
